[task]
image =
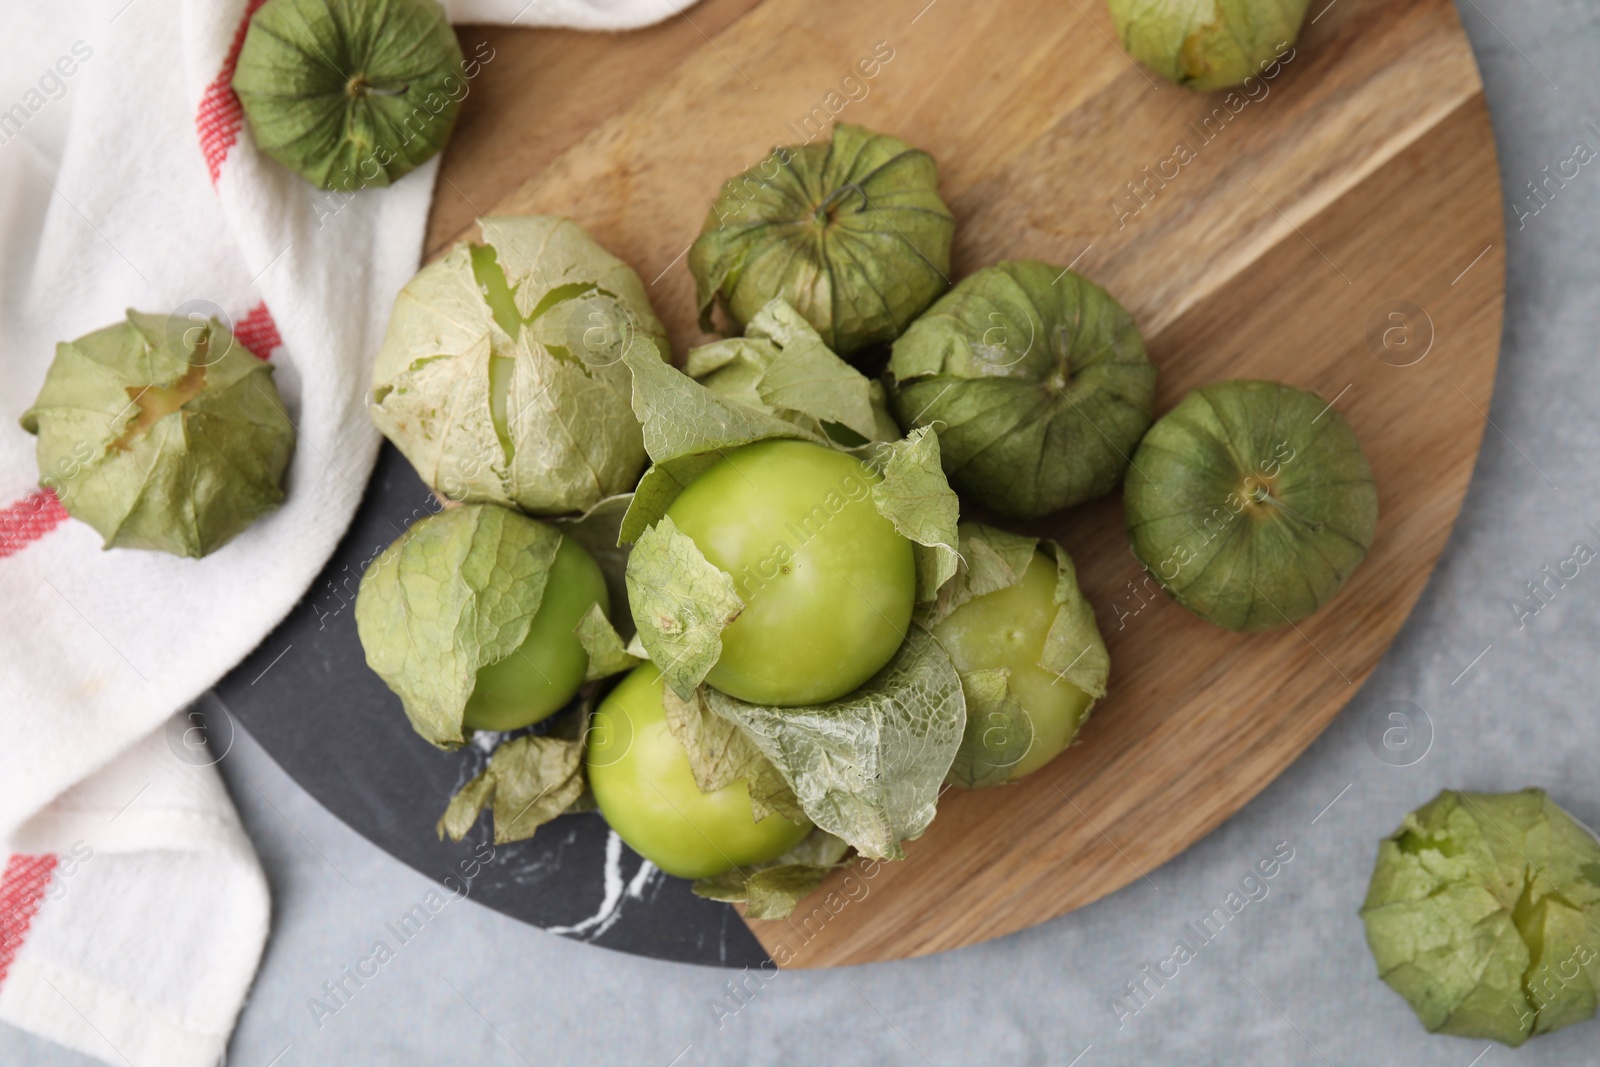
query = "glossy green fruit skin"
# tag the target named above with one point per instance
(1007, 628)
(539, 678)
(350, 93)
(827, 581)
(1251, 503)
(642, 783)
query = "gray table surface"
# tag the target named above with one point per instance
(1290, 980)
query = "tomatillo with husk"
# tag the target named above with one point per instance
(163, 433)
(646, 791)
(1251, 503)
(850, 232)
(349, 93)
(1024, 641)
(501, 377)
(1208, 44)
(481, 618)
(1484, 913)
(1036, 381)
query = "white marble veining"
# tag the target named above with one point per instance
(615, 893)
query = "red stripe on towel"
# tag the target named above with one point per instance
(220, 115)
(257, 332)
(29, 519)
(22, 889)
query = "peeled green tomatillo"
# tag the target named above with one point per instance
(1208, 44)
(1251, 503)
(161, 432)
(643, 785)
(544, 672)
(1024, 642)
(1484, 913)
(851, 233)
(472, 618)
(1005, 631)
(350, 93)
(1036, 381)
(827, 582)
(783, 572)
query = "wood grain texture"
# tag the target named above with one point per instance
(539, 92)
(1362, 175)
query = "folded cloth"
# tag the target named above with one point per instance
(132, 908)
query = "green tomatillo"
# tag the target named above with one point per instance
(851, 233)
(350, 93)
(1251, 503)
(163, 433)
(1024, 641)
(1484, 913)
(540, 676)
(1036, 381)
(502, 378)
(792, 580)
(827, 582)
(646, 791)
(480, 618)
(1208, 44)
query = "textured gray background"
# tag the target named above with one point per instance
(1289, 982)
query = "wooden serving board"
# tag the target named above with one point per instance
(1358, 183)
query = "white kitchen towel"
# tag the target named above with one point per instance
(132, 909)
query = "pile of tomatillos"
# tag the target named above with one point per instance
(767, 546)
(769, 541)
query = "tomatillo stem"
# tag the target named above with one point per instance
(1263, 495)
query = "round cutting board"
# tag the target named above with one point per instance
(1335, 225)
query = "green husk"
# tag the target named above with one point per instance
(782, 367)
(1037, 382)
(1484, 913)
(998, 733)
(681, 604)
(529, 781)
(916, 498)
(1251, 503)
(1074, 648)
(454, 593)
(867, 767)
(502, 376)
(1207, 44)
(851, 233)
(772, 890)
(350, 94)
(161, 434)
(607, 653)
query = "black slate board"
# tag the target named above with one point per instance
(307, 696)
